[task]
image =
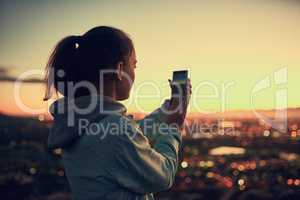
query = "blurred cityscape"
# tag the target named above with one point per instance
(223, 157)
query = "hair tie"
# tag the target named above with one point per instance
(78, 41)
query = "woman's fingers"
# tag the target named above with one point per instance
(180, 94)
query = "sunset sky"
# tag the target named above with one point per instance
(220, 42)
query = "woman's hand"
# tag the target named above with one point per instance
(177, 108)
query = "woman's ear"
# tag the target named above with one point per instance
(120, 69)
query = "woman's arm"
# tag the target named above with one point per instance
(172, 111)
(150, 124)
(142, 168)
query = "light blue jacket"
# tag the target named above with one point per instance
(107, 155)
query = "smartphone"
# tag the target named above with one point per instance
(179, 79)
(180, 76)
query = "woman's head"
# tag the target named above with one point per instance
(102, 58)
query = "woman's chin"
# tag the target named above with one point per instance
(122, 98)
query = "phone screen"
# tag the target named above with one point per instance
(180, 76)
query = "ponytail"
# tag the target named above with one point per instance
(62, 58)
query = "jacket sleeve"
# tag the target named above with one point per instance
(142, 168)
(150, 124)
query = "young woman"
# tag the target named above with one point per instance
(106, 154)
